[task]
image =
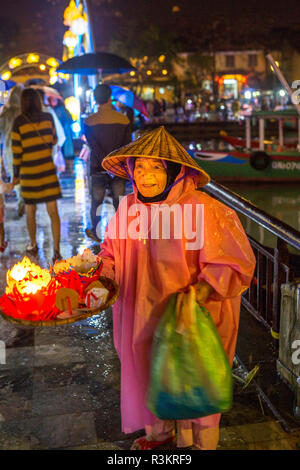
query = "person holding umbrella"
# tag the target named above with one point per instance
(129, 104)
(105, 131)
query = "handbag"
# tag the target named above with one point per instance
(190, 374)
(59, 161)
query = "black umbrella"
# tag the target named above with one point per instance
(90, 64)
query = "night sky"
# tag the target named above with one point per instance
(40, 22)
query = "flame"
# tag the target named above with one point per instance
(27, 277)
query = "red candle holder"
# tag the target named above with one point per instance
(34, 307)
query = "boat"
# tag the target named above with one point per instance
(266, 162)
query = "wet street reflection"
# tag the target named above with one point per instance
(74, 210)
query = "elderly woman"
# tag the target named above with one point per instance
(151, 261)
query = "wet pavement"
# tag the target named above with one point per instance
(60, 386)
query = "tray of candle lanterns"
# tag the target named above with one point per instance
(70, 291)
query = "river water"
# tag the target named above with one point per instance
(281, 200)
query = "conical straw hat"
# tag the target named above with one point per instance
(154, 144)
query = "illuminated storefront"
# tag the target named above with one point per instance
(230, 86)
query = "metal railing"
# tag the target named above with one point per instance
(274, 266)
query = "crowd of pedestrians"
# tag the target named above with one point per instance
(34, 144)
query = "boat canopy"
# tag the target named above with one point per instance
(280, 114)
(261, 116)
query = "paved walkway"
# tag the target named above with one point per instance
(59, 387)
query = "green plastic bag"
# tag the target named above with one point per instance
(190, 373)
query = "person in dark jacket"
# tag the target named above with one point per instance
(128, 112)
(105, 131)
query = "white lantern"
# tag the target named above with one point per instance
(70, 40)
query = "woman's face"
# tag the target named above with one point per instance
(150, 176)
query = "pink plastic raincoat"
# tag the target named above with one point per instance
(148, 273)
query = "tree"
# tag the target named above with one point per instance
(199, 66)
(148, 47)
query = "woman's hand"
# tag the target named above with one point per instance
(15, 181)
(203, 291)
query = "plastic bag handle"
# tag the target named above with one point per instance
(185, 310)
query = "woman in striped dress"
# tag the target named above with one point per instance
(33, 136)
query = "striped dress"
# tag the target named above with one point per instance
(32, 142)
